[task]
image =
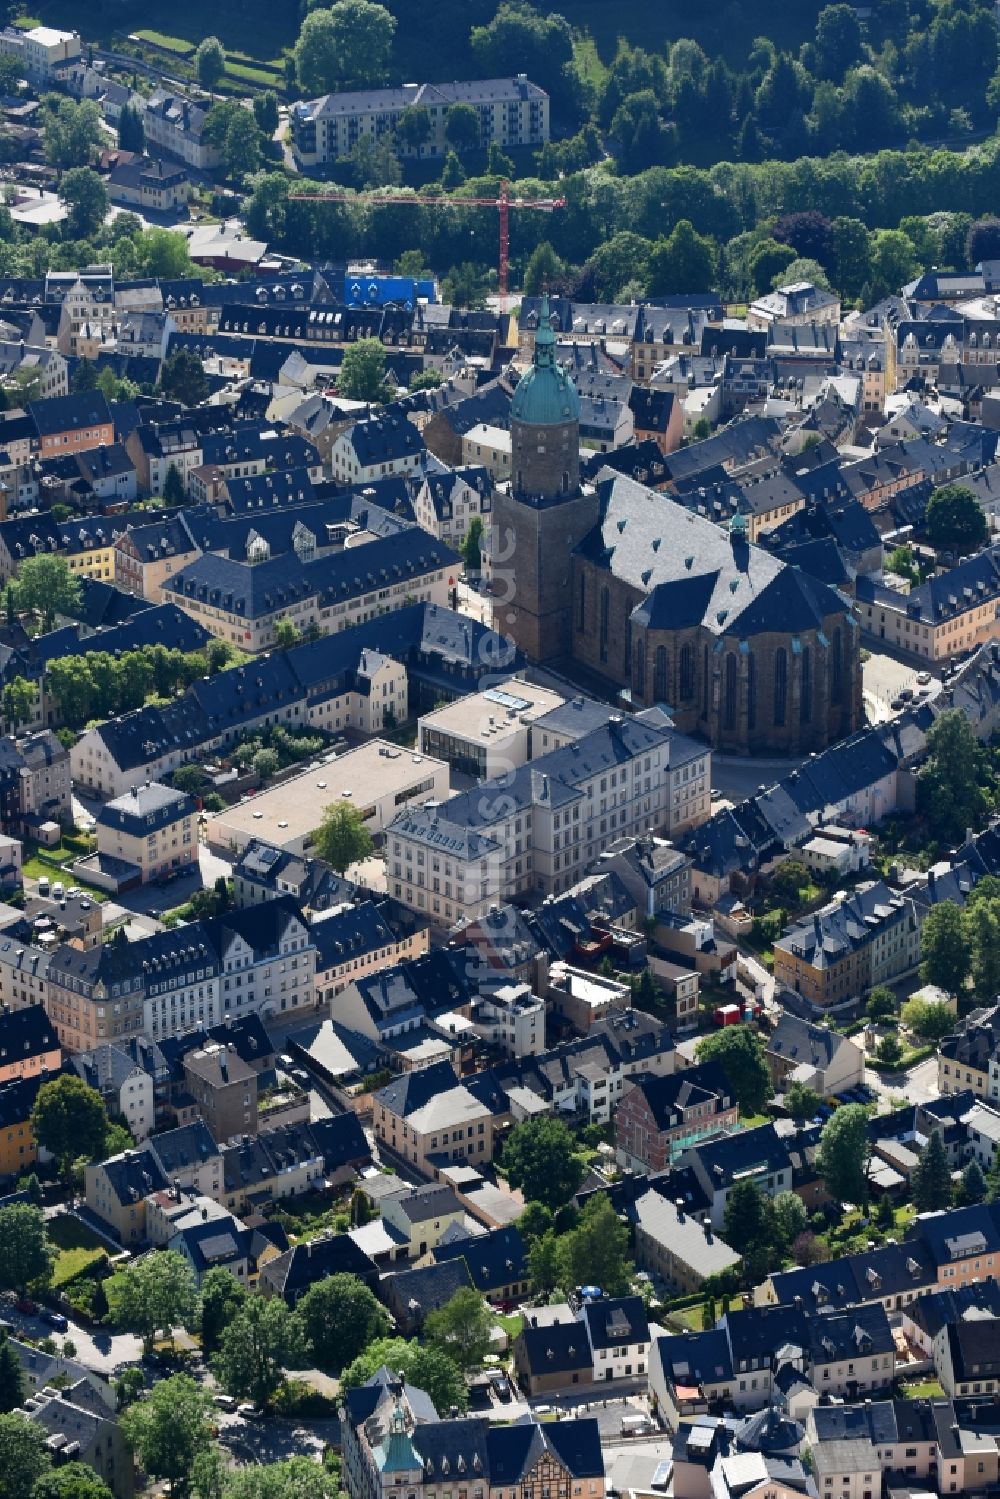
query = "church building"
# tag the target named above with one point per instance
(743, 649)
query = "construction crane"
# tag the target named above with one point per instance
(504, 203)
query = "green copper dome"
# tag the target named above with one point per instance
(545, 395)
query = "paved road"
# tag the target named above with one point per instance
(739, 776)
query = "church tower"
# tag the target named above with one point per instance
(541, 516)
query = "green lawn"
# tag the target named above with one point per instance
(77, 1248)
(55, 862)
(929, 1389)
(167, 43)
(511, 1325)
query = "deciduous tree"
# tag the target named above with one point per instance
(844, 1150)
(260, 1342)
(154, 1295)
(210, 61)
(361, 376)
(740, 1053)
(222, 1296)
(168, 1430)
(47, 585)
(342, 838)
(462, 1329)
(539, 1159)
(69, 1119)
(345, 47)
(339, 1318)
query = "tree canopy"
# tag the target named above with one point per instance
(539, 1158)
(339, 1318)
(342, 838)
(740, 1053)
(844, 1151)
(955, 518)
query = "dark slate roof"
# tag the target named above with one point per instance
(557, 1349)
(303, 1265)
(25, 1034)
(668, 1097)
(146, 809)
(272, 586)
(616, 1321)
(65, 413)
(495, 1259)
(426, 1288)
(134, 1175)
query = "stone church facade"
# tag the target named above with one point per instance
(744, 650)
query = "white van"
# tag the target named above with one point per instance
(43, 884)
(58, 890)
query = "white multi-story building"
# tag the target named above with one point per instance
(538, 831)
(511, 111)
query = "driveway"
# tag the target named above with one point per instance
(103, 1351)
(919, 1085)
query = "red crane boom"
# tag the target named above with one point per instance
(504, 203)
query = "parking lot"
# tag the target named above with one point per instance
(884, 678)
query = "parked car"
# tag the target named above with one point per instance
(924, 678)
(53, 1319)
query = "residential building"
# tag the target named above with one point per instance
(77, 1421)
(224, 1088)
(117, 1190)
(176, 126)
(429, 1116)
(242, 602)
(302, 1266)
(448, 501)
(759, 1155)
(813, 1055)
(511, 111)
(673, 1245)
(798, 304)
(938, 620)
(156, 186)
(29, 1045)
(378, 448)
(970, 1057)
(44, 50)
(74, 423)
(127, 1088)
(153, 830)
(18, 1146)
(849, 945)
(487, 733)
(659, 1117)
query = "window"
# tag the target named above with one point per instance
(660, 674)
(640, 668)
(751, 691)
(687, 672)
(729, 697)
(605, 622)
(837, 667)
(806, 698)
(581, 617)
(780, 684)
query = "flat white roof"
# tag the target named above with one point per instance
(489, 437)
(48, 36)
(484, 717)
(362, 776)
